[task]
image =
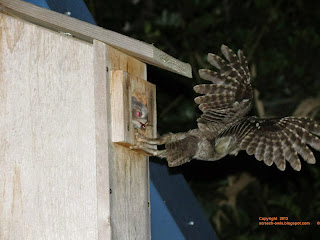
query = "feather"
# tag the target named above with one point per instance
(290, 153)
(278, 154)
(225, 68)
(214, 88)
(251, 148)
(217, 78)
(307, 137)
(230, 89)
(235, 63)
(307, 123)
(181, 151)
(216, 61)
(267, 157)
(247, 140)
(209, 98)
(275, 140)
(300, 147)
(259, 152)
(220, 114)
(224, 128)
(244, 64)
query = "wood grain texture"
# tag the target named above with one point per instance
(130, 197)
(123, 87)
(104, 149)
(126, 63)
(48, 143)
(59, 22)
(129, 182)
(61, 177)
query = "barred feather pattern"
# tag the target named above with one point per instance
(181, 151)
(230, 94)
(224, 128)
(277, 140)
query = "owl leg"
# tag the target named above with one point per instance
(149, 145)
(166, 138)
(149, 150)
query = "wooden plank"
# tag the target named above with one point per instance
(55, 180)
(60, 22)
(129, 179)
(130, 196)
(104, 150)
(123, 87)
(121, 61)
(48, 178)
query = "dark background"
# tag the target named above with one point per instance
(281, 40)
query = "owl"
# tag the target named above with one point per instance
(225, 129)
(139, 114)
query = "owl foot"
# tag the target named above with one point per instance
(148, 150)
(149, 145)
(155, 141)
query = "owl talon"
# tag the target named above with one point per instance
(151, 141)
(140, 138)
(139, 145)
(149, 151)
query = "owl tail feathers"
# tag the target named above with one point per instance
(181, 151)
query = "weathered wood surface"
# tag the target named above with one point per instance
(104, 146)
(61, 177)
(129, 183)
(60, 22)
(48, 178)
(123, 87)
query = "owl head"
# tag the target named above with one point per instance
(139, 114)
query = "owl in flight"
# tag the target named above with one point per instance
(224, 127)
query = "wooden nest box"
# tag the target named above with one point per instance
(65, 90)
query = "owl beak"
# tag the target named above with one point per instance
(143, 125)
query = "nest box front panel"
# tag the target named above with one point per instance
(127, 91)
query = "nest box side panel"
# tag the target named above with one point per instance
(47, 140)
(104, 149)
(129, 170)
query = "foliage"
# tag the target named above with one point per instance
(282, 42)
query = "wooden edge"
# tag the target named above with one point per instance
(103, 141)
(122, 87)
(169, 63)
(129, 170)
(120, 105)
(86, 31)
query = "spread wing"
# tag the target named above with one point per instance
(277, 140)
(228, 97)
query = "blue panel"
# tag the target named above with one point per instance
(77, 9)
(181, 202)
(40, 3)
(162, 224)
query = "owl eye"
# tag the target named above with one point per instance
(139, 114)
